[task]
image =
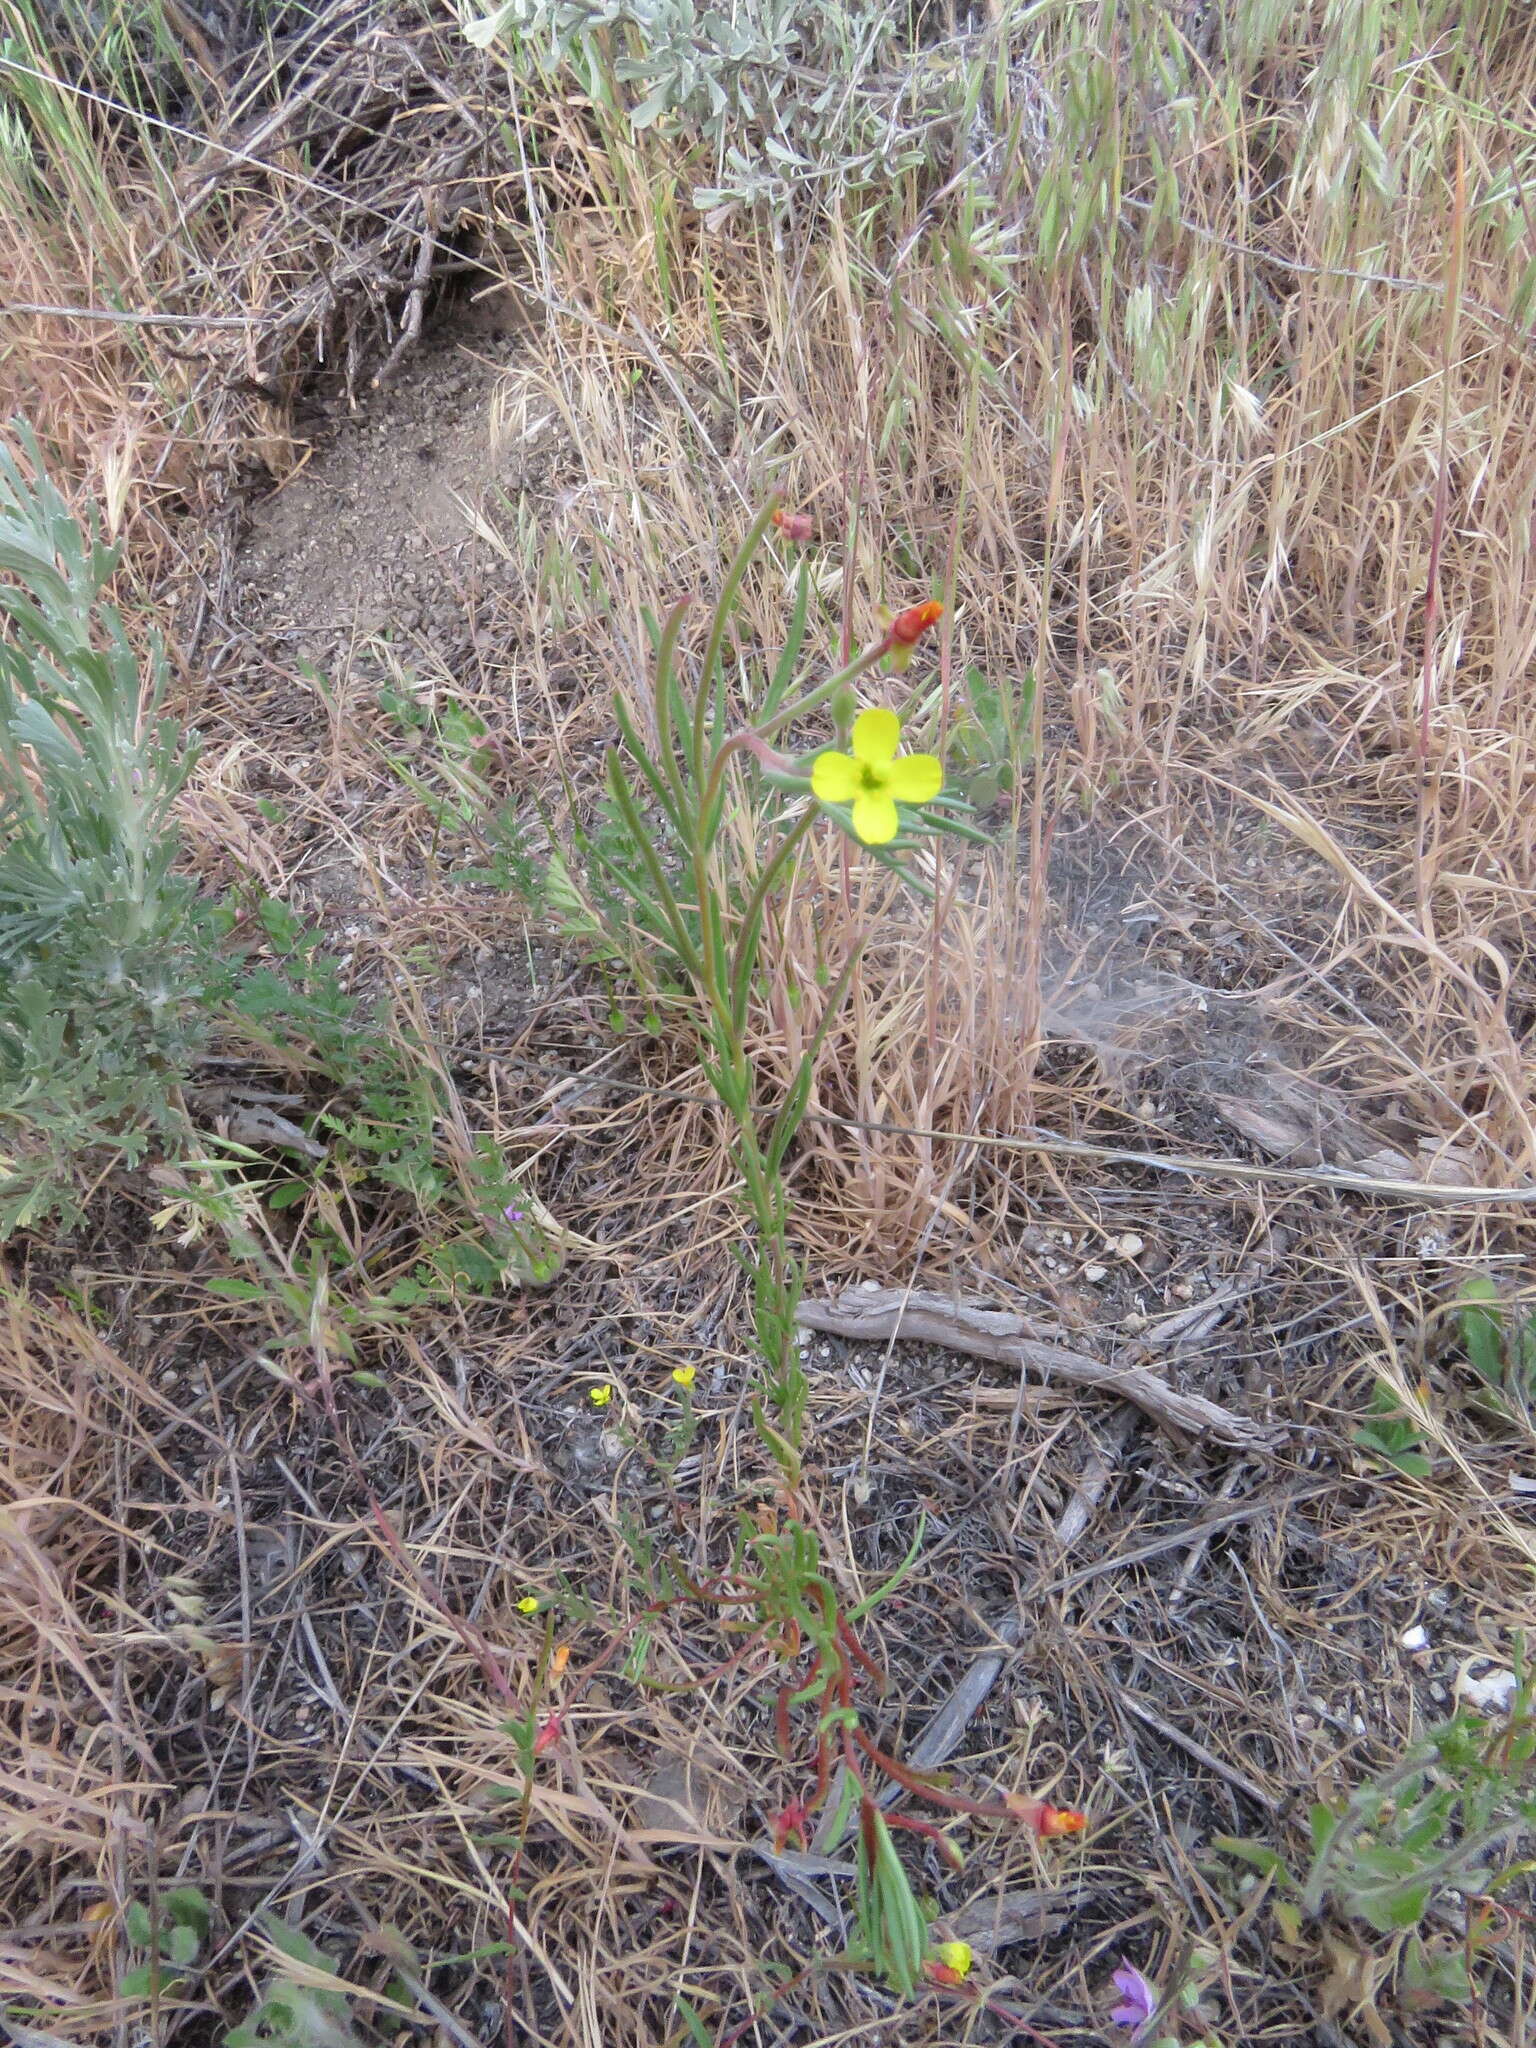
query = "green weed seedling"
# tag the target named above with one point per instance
(392, 1127)
(991, 742)
(1445, 1822)
(1391, 1435)
(448, 754)
(294, 2014)
(1500, 1346)
(172, 1931)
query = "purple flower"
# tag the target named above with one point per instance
(1140, 1999)
(512, 1213)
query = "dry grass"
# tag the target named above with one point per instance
(1250, 492)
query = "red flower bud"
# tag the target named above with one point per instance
(794, 525)
(790, 1825)
(549, 1734)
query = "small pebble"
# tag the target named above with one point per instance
(1133, 1324)
(1489, 1694)
(1415, 1638)
(1357, 1722)
(1094, 1274)
(1130, 1246)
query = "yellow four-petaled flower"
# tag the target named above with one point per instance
(874, 779)
(684, 1375)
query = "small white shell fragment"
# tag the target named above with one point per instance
(1415, 1638)
(1131, 1246)
(1491, 1693)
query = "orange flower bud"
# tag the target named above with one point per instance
(909, 626)
(1047, 1821)
(1060, 1820)
(794, 525)
(559, 1660)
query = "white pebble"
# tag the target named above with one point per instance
(1094, 1274)
(1133, 1324)
(1130, 1246)
(1415, 1638)
(1489, 1694)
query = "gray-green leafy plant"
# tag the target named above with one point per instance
(786, 96)
(97, 999)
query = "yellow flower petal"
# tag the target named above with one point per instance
(916, 777)
(874, 817)
(684, 1375)
(528, 1604)
(876, 736)
(834, 778)
(599, 1396)
(956, 1956)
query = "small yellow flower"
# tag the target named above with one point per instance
(599, 1396)
(955, 1955)
(873, 780)
(684, 1375)
(528, 1604)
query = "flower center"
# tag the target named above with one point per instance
(872, 778)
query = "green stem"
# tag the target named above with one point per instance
(860, 665)
(666, 655)
(720, 625)
(745, 957)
